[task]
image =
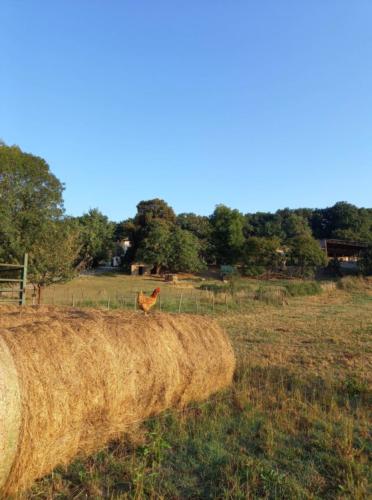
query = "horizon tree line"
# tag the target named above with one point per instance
(33, 220)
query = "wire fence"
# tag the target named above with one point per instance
(192, 302)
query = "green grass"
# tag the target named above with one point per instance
(114, 291)
(301, 289)
(286, 437)
(295, 423)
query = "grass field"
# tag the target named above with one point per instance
(192, 295)
(295, 423)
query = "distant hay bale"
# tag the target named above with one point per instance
(172, 278)
(71, 380)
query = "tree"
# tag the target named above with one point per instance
(150, 210)
(264, 224)
(138, 228)
(319, 224)
(184, 252)
(30, 197)
(124, 229)
(31, 210)
(227, 234)
(343, 221)
(200, 227)
(97, 238)
(293, 224)
(344, 216)
(306, 254)
(155, 248)
(53, 258)
(170, 247)
(261, 254)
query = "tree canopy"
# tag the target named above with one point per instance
(96, 238)
(30, 198)
(201, 227)
(53, 258)
(155, 248)
(159, 240)
(306, 254)
(185, 252)
(227, 234)
(32, 220)
(261, 254)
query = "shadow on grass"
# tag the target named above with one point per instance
(274, 434)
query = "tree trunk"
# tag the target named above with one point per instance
(39, 290)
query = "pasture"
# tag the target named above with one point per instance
(295, 423)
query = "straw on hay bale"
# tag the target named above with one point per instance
(71, 380)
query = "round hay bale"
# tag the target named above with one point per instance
(10, 411)
(71, 380)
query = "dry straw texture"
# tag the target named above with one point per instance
(73, 379)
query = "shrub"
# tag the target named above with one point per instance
(303, 288)
(352, 284)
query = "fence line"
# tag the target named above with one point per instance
(183, 303)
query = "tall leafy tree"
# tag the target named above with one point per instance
(53, 258)
(155, 248)
(150, 210)
(30, 198)
(184, 252)
(261, 254)
(200, 226)
(138, 228)
(31, 209)
(342, 221)
(264, 224)
(168, 247)
(97, 238)
(227, 234)
(306, 254)
(293, 224)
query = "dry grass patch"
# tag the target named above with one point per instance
(326, 337)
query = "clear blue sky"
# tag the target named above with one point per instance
(258, 104)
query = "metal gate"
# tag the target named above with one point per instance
(16, 291)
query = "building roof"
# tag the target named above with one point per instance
(342, 248)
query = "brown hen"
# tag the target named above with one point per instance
(146, 303)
